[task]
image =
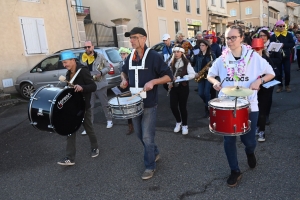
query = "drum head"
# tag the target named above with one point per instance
(124, 100)
(68, 111)
(228, 102)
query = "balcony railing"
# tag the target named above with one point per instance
(83, 10)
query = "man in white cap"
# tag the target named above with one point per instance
(167, 49)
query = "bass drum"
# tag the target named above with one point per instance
(54, 109)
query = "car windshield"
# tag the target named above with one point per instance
(113, 55)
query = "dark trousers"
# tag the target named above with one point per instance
(298, 57)
(264, 97)
(88, 127)
(178, 102)
(286, 64)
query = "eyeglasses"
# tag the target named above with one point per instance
(262, 35)
(87, 47)
(280, 26)
(135, 37)
(123, 53)
(232, 38)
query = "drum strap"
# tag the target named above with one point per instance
(71, 81)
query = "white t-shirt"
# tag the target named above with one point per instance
(256, 67)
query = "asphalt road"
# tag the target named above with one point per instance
(191, 167)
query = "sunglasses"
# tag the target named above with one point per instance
(87, 47)
(280, 26)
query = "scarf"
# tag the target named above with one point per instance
(89, 58)
(266, 47)
(283, 33)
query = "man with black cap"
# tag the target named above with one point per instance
(145, 69)
(84, 83)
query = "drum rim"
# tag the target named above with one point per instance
(140, 100)
(226, 134)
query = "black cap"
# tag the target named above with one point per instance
(136, 30)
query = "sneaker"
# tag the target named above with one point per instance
(279, 89)
(251, 160)
(109, 124)
(261, 137)
(148, 173)
(257, 131)
(157, 157)
(83, 133)
(288, 89)
(66, 161)
(177, 127)
(185, 130)
(234, 178)
(95, 153)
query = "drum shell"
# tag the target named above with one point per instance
(47, 111)
(223, 121)
(125, 111)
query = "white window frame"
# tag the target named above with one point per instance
(248, 11)
(232, 13)
(188, 5)
(213, 2)
(162, 2)
(34, 35)
(179, 25)
(222, 5)
(198, 7)
(175, 2)
(32, 1)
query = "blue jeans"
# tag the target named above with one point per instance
(248, 140)
(204, 90)
(144, 126)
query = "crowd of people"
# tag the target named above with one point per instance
(216, 61)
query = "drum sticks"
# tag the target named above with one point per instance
(135, 95)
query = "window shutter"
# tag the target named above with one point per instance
(30, 36)
(42, 35)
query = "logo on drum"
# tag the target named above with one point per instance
(63, 101)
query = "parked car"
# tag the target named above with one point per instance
(49, 69)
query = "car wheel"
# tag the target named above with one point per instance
(26, 90)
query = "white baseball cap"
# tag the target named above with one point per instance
(166, 36)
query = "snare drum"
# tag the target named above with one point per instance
(54, 109)
(227, 121)
(125, 107)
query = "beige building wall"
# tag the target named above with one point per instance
(159, 20)
(104, 11)
(13, 58)
(259, 14)
(279, 6)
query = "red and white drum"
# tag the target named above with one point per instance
(229, 117)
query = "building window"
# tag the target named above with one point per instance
(222, 3)
(276, 15)
(177, 26)
(161, 3)
(188, 6)
(198, 6)
(233, 13)
(34, 35)
(175, 4)
(248, 11)
(213, 2)
(34, 1)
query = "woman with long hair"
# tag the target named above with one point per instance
(179, 91)
(201, 60)
(240, 66)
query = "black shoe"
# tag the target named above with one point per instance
(95, 153)
(66, 161)
(234, 178)
(251, 160)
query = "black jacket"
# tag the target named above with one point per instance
(288, 42)
(85, 80)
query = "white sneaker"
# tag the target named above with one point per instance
(83, 133)
(177, 127)
(185, 130)
(109, 124)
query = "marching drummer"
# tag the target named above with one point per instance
(84, 83)
(239, 65)
(145, 69)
